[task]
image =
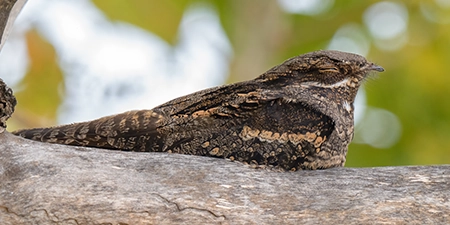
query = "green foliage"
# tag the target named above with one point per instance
(160, 17)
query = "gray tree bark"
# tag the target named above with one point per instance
(47, 183)
(54, 184)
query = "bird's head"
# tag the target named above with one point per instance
(323, 72)
(323, 68)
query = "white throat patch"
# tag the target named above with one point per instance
(347, 107)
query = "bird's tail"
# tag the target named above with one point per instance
(120, 131)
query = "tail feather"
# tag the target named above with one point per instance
(127, 131)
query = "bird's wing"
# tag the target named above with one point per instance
(138, 130)
(237, 122)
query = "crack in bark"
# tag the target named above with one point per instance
(8, 211)
(179, 208)
(47, 215)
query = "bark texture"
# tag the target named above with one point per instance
(54, 184)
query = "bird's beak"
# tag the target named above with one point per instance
(375, 67)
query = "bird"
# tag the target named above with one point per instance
(298, 115)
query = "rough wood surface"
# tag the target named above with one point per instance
(47, 183)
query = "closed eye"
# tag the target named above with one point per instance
(329, 70)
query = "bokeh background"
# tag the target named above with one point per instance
(70, 61)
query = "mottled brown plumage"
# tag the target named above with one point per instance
(298, 115)
(7, 104)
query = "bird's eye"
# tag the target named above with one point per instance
(329, 70)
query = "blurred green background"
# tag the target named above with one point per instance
(410, 39)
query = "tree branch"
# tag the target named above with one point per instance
(44, 183)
